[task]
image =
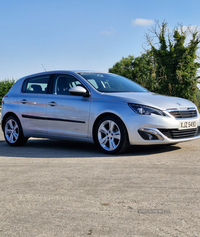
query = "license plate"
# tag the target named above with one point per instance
(187, 125)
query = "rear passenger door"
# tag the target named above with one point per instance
(67, 115)
(32, 104)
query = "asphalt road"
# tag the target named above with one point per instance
(52, 188)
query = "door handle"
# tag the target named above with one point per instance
(52, 103)
(24, 101)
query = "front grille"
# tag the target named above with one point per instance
(180, 134)
(189, 113)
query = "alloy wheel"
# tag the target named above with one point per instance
(109, 135)
(11, 131)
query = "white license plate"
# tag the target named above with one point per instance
(187, 125)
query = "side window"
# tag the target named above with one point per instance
(36, 85)
(62, 84)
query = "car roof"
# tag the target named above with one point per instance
(61, 71)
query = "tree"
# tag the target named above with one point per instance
(124, 67)
(176, 66)
(144, 71)
(140, 69)
(170, 66)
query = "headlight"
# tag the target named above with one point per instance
(145, 110)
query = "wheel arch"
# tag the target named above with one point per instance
(104, 115)
(8, 115)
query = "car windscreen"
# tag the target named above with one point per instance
(105, 82)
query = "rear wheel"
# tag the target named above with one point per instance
(111, 136)
(13, 132)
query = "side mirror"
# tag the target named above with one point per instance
(79, 90)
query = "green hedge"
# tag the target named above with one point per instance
(5, 86)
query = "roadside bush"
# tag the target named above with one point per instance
(5, 86)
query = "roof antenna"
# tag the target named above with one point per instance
(43, 67)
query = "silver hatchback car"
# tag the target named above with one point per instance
(108, 109)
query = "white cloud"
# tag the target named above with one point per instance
(107, 33)
(142, 22)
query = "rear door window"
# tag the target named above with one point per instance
(36, 85)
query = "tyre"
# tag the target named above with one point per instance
(111, 136)
(13, 132)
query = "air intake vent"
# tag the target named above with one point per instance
(180, 134)
(189, 113)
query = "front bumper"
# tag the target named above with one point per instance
(154, 129)
(168, 135)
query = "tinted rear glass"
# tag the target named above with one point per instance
(36, 85)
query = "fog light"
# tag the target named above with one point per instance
(150, 134)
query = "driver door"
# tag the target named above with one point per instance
(67, 115)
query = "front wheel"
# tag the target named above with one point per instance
(13, 132)
(111, 135)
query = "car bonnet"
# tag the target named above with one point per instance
(149, 99)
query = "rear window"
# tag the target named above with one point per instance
(36, 85)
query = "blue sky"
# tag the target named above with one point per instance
(80, 34)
